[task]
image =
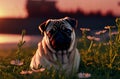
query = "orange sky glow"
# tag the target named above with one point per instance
(88, 6)
(13, 9)
(17, 8)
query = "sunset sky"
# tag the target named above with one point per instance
(17, 8)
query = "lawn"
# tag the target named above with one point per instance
(100, 56)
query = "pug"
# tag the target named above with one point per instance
(58, 46)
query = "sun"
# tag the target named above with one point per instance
(2, 40)
(5, 14)
(2, 13)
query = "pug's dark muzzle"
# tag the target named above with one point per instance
(60, 41)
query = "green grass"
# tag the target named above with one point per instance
(100, 58)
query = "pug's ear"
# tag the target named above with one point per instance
(72, 21)
(43, 26)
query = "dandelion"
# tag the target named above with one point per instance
(84, 75)
(100, 32)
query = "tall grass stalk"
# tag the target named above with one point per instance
(20, 44)
(90, 46)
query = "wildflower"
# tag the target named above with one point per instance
(114, 33)
(16, 62)
(90, 37)
(96, 39)
(84, 29)
(93, 38)
(108, 27)
(39, 70)
(100, 32)
(84, 75)
(23, 72)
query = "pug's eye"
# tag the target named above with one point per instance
(68, 32)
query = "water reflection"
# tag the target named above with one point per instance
(11, 40)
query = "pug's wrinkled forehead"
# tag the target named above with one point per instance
(58, 24)
(67, 22)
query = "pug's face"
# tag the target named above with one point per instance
(59, 32)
